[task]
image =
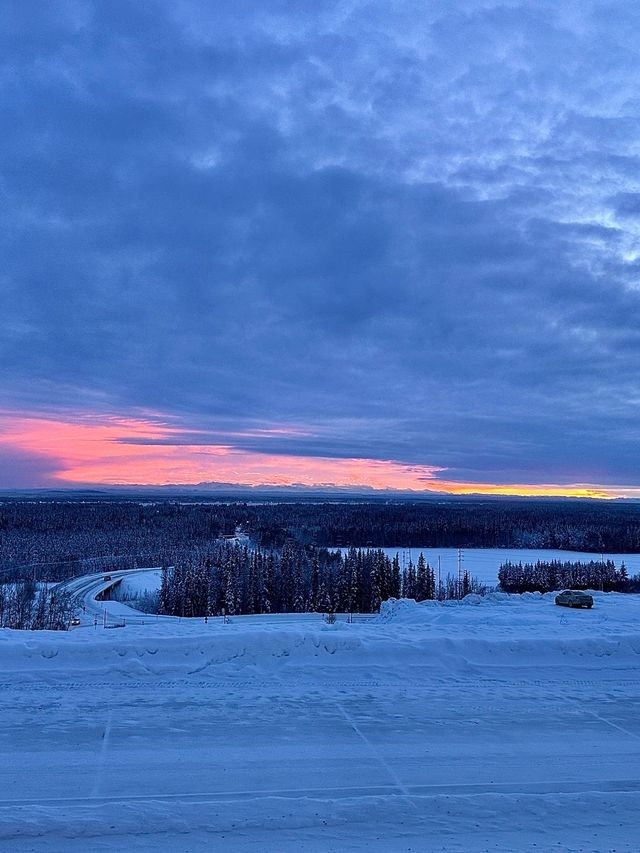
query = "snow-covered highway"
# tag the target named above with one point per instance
(503, 725)
(85, 590)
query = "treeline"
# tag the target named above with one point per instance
(298, 579)
(25, 606)
(555, 575)
(60, 539)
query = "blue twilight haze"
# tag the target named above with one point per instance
(400, 231)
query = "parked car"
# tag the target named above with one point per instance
(574, 598)
(75, 622)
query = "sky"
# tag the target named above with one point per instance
(368, 245)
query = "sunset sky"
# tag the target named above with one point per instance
(364, 244)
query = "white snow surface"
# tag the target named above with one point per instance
(135, 585)
(499, 723)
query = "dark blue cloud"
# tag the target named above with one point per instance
(411, 229)
(21, 470)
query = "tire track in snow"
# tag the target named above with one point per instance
(602, 719)
(102, 758)
(399, 784)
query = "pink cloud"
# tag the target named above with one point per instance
(103, 450)
(92, 449)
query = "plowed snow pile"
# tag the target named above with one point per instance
(497, 723)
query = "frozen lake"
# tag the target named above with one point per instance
(484, 563)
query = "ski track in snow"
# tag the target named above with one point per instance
(103, 754)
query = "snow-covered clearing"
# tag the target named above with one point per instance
(503, 724)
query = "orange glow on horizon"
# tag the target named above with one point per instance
(94, 450)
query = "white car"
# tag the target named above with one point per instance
(574, 598)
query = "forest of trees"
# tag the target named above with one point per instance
(24, 605)
(289, 565)
(237, 580)
(554, 575)
(56, 539)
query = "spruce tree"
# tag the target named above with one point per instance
(422, 580)
(396, 581)
(409, 585)
(315, 583)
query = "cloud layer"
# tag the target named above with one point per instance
(403, 232)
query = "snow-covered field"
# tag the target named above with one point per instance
(140, 589)
(503, 723)
(142, 582)
(483, 563)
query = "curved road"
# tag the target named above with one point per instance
(84, 589)
(115, 614)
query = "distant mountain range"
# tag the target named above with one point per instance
(233, 492)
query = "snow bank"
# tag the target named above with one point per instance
(595, 821)
(626, 607)
(499, 630)
(166, 649)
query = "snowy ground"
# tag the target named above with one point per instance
(140, 589)
(500, 724)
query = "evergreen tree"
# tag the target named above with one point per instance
(396, 581)
(409, 585)
(466, 583)
(324, 600)
(377, 582)
(268, 585)
(315, 583)
(231, 592)
(422, 580)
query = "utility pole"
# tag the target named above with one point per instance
(459, 573)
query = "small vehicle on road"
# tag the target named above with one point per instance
(106, 577)
(75, 622)
(574, 598)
